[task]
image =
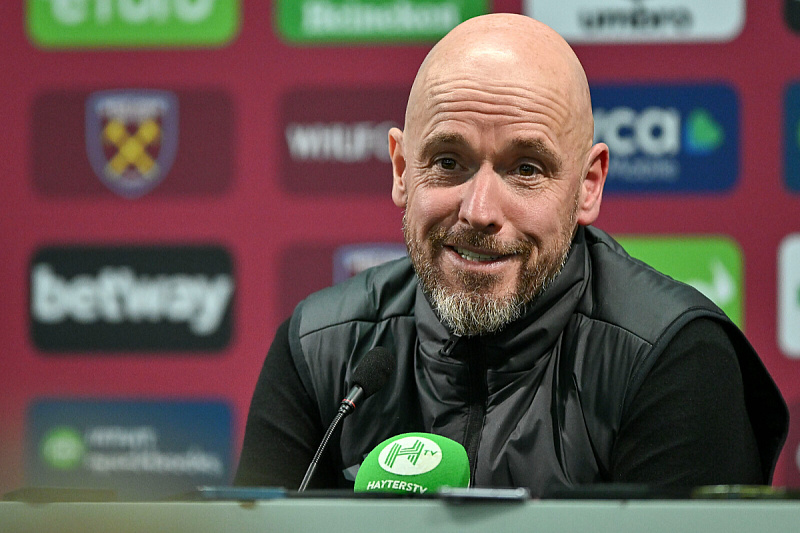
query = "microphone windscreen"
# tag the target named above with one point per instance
(373, 370)
(414, 463)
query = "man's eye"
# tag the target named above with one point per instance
(528, 169)
(447, 163)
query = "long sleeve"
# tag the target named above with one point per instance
(688, 425)
(283, 426)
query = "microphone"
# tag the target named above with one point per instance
(371, 374)
(414, 463)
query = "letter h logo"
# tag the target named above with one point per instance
(413, 453)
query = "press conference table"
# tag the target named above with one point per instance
(406, 516)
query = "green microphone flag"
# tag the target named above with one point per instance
(416, 463)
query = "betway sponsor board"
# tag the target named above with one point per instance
(789, 296)
(336, 140)
(378, 21)
(620, 21)
(131, 23)
(668, 138)
(142, 449)
(791, 137)
(711, 264)
(132, 142)
(154, 298)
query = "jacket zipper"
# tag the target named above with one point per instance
(477, 412)
(478, 394)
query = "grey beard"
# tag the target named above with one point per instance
(471, 311)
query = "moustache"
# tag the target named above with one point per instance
(441, 237)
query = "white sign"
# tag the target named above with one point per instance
(789, 296)
(655, 21)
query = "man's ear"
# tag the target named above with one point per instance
(397, 155)
(591, 193)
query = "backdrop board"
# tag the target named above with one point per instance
(178, 174)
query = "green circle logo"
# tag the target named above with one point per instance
(62, 448)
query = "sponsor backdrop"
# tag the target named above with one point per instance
(179, 173)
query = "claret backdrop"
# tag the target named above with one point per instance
(178, 174)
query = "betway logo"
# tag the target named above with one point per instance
(339, 141)
(117, 294)
(131, 298)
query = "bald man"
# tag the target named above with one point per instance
(520, 330)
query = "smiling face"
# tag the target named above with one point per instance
(495, 168)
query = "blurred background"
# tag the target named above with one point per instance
(178, 174)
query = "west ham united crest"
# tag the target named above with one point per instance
(131, 138)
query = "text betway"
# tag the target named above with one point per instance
(117, 294)
(395, 484)
(72, 12)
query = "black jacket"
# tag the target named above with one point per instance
(539, 404)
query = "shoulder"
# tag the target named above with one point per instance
(636, 297)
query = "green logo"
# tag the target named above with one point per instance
(712, 265)
(703, 133)
(62, 448)
(381, 21)
(132, 23)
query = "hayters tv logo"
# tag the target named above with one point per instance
(132, 23)
(131, 298)
(410, 456)
(141, 449)
(668, 138)
(612, 21)
(789, 296)
(131, 138)
(713, 265)
(133, 142)
(347, 131)
(791, 136)
(379, 21)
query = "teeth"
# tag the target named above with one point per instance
(472, 256)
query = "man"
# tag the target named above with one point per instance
(521, 331)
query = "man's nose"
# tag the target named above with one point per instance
(481, 203)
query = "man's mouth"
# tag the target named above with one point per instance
(474, 256)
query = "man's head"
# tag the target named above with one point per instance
(495, 168)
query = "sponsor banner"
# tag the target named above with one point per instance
(130, 23)
(791, 13)
(307, 268)
(789, 296)
(655, 21)
(668, 138)
(142, 449)
(791, 137)
(711, 264)
(132, 142)
(377, 21)
(342, 148)
(130, 298)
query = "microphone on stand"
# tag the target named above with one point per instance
(371, 374)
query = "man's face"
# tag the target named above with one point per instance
(491, 185)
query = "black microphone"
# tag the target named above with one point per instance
(371, 374)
